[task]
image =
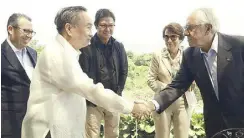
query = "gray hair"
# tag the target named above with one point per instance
(13, 20)
(68, 15)
(209, 18)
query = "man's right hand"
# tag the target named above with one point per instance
(142, 109)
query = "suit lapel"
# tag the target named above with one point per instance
(201, 70)
(32, 56)
(224, 56)
(11, 57)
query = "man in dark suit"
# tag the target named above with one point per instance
(215, 61)
(17, 63)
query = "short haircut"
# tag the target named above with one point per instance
(101, 14)
(175, 28)
(209, 18)
(68, 15)
(13, 20)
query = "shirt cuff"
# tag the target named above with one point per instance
(157, 106)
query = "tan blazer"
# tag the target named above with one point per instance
(160, 71)
(58, 91)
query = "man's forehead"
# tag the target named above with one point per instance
(195, 17)
(107, 20)
(86, 18)
(23, 22)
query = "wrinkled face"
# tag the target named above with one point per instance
(195, 31)
(21, 34)
(82, 32)
(172, 41)
(105, 28)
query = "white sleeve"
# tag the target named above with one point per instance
(67, 75)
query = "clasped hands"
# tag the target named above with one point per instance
(142, 109)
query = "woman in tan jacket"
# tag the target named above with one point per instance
(164, 66)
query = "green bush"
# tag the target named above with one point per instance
(132, 128)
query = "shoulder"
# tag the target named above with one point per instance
(233, 40)
(31, 49)
(117, 43)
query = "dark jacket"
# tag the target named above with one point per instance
(14, 90)
(228, 111)
(90, 62)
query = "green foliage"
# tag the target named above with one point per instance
(34, 44)
(132, 128)
(197, 126)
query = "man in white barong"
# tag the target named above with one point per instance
(59, 87)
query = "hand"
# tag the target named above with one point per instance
(142, 109)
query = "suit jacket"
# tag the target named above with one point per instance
(58, 92)
(160, 72)
(227, 112)
(14, 89)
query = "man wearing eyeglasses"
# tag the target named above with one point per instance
(215, 61)
(18, 61)
(104, 61)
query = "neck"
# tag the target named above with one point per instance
(68, 38)
(103, 40)
(15, 44)
(208, 45)
(173, 54)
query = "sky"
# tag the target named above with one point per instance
(139, 23)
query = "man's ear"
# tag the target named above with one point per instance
(209, 28)
(10, 29)
(68, 28)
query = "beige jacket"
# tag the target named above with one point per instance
(160, 71)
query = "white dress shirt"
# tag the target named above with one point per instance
(23, 58)
(210, 60)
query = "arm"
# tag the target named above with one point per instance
(123, 69)
(153, 81)
(67, 75)
(177, 88)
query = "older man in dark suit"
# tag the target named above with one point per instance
(215, 61)
(17, 63)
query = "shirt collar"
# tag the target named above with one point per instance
(67, 45)
(167, 54)
(214, 46)
(14, 48)
(99, 43)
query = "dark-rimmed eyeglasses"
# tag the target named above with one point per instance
(104, 26)
(172, 37)
(26, 31)
(191, 27)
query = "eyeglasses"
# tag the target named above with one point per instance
(26, 31)
(172, 37)
(191, 27)
(104, 26)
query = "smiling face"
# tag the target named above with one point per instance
(172, 41)
(21, 34)
(105, 28)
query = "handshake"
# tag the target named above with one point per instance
(143, 109)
